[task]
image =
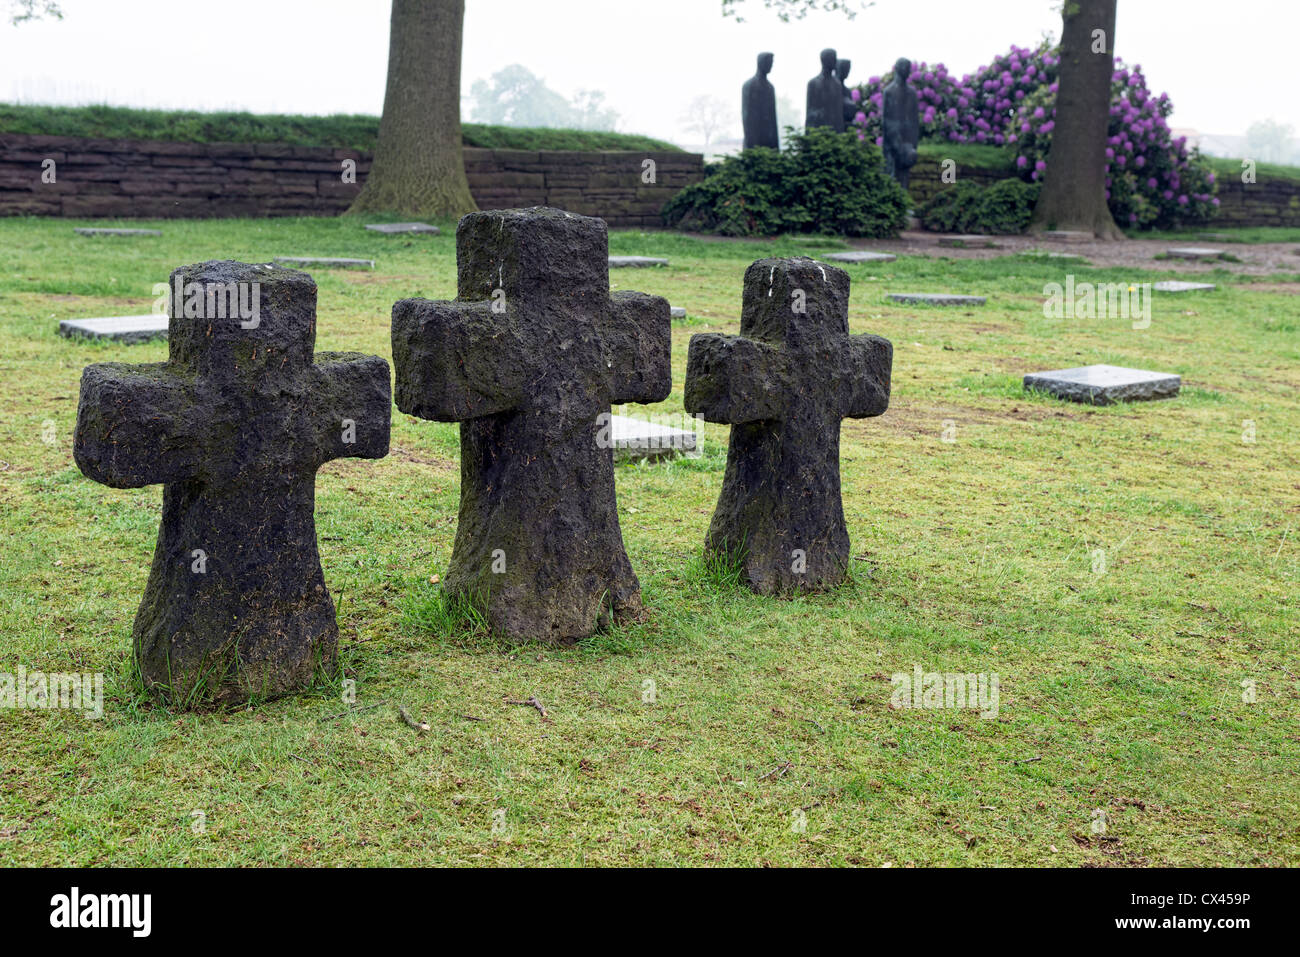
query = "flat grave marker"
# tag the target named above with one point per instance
(117, 328)
(1068, 235)
(968, 242)
(1194, 252)
(937, 299)
(399, 228)
(1104, 384)
(105, 231)
(636, 439)
(677, 312)
(635, 262)
(860, 256)
(1179, 285)
(327, 262)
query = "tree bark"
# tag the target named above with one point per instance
(419, 167)
(1074, 184)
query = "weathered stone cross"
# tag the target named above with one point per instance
(783, 385)
(529, 356)
(234, 425)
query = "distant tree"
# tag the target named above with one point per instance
(591, 111)
(515, 96)
(708, 116)
(20, 11)
(1270, 141)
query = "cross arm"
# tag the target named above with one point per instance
(455, 360)
(862, 376)
(638, 348)
(137, 425)
(351, 406)
(732, 379)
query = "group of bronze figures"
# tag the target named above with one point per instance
(528, 359)
(830, 104)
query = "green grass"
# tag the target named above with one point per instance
(342, 131)
(1223, 166)
(698, 735)
(974, 155)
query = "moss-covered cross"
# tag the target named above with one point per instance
(234, 425)
(528, 359)
(783, 385)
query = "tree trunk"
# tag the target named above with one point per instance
(419, 168)
(1074, 185)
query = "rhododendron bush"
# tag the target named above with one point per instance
(1152, 180)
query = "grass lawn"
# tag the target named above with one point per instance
(1121, 678)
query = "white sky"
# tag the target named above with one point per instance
(1224, 65)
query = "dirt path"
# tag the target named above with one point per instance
(1256, 258)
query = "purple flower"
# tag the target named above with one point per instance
(1022, 162)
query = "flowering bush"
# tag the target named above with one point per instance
(1152, 179)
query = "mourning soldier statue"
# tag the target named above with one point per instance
(826, 97)
(758, 107)
(902, 124)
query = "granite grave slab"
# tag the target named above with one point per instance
(936, 299)
(404, 228)
(325, 262)
(860, 256)
(106, 231)
(1104, 384)
(117, 328)
(635, 262)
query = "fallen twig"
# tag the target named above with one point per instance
(417, 725)
(533, 703)
(783, 767)
(1027, 760)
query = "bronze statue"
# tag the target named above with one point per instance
(826, 96)
(758, 107)
(902, 124)
(842, 68)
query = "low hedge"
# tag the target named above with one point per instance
(822, 182)
(1002, 209)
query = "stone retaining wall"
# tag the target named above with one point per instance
(129, 178)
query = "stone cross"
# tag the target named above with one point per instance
(234, 425)
(783, 385)
(529, 358)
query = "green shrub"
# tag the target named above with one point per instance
(823, 182)
(1004, 208)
